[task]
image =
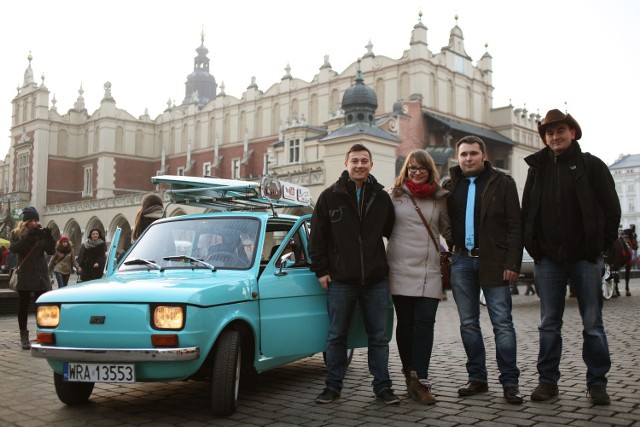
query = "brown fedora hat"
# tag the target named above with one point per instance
(556, 116)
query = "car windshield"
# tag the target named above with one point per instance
(221, 243)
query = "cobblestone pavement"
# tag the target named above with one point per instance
(285, 396)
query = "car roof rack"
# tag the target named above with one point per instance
(234, 195)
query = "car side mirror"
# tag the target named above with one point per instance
(283, 260)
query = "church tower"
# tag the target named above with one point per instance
(201, 85)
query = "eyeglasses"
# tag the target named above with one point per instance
(413, 169)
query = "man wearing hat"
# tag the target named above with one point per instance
(571, 213)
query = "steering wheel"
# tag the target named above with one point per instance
(227, 259)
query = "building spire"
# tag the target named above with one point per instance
(28, 73)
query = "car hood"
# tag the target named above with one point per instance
(199, 287)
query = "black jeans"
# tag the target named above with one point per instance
(414, 331)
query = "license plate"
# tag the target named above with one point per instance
(100, 372)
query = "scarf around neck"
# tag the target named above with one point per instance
(421, 190)
(89, 244)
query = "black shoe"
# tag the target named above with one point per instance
(388, 397)
(544, 391)
(473, 387)
(327, 396)
(512, 395)
(599, 395)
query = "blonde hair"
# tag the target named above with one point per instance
(422, 158)
(20, 230)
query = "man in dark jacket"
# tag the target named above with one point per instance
(348, 257)
(571, 214)
(486, 232)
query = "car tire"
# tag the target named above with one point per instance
(350, 352)
(225, 378)
(72, 393)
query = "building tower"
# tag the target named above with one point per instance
(201, 86)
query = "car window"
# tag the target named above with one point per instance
(227, 242)
(296, 246)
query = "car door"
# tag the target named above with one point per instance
(110, 266)
(293, 305)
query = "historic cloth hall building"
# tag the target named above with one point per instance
(295, 129)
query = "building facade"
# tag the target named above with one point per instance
(626, 174)
(86, 170)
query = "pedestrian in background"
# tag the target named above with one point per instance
(348, 256)
(414, 266)
(4, 253)
(92, 256)
(151, 210)
(486, 232)
(571, 213)
(30, 242)
(63, 262)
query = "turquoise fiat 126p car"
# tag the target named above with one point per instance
(217, 296)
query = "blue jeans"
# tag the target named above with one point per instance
(62, 279)
(414, 332)
(341, 302)
(586, 277)
(465, 286)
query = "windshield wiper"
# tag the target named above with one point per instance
(189, 259)
(147, 262)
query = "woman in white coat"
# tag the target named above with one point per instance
(414, 264)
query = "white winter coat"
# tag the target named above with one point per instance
(414, 262)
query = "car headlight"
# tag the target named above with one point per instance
(48, 316)
(168, 317)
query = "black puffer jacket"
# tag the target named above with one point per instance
(583, 207)
(346, 237)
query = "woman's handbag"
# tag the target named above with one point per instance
(13, 279)
(445, 256)
(13, 273)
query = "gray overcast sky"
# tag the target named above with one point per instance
(544, 53)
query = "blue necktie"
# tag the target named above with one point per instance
(469, 240)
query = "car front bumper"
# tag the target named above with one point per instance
(116, 354)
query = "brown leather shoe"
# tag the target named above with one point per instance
(473, 387)
(420, 390)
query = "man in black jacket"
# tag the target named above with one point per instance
(571, 214)
(486, 231)
(348, 257)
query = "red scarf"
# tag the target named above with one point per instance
(421, 190)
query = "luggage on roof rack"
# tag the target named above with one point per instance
(234, 195)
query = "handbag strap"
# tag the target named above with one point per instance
(426, 224)
(28, 255)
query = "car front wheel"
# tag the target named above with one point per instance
(72, 393)
(225, 379)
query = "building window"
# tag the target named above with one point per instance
(630, 187)
(23, 172)
(87, 188)
(632, 205)
(181, 171)
(459, 64)
(294, 151)
(206, 169)
(235, 168)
